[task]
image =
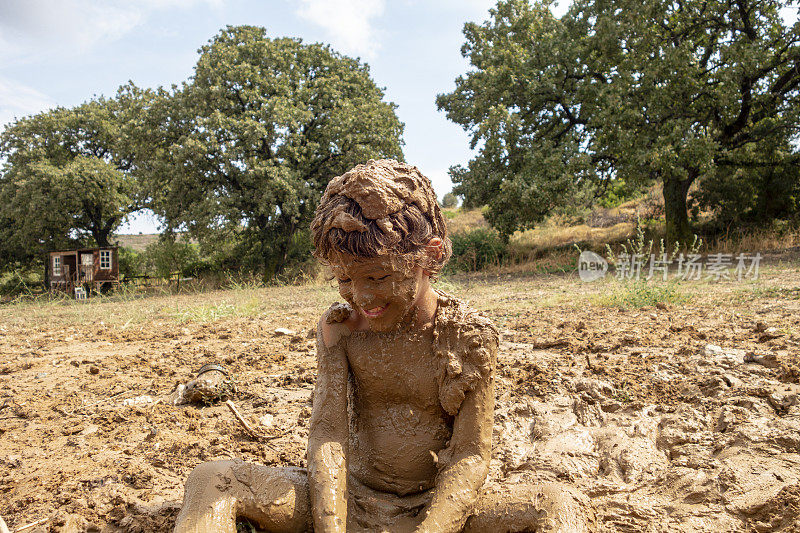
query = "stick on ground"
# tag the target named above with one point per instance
(253, 433)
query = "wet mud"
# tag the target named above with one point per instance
(677, 419)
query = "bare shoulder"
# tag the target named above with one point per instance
(335, 324)
(466, 345)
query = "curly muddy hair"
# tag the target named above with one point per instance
(406, 216)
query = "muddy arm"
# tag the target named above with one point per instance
(327, 441)
(466, 463)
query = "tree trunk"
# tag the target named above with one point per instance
(675, 213)
(101, 236)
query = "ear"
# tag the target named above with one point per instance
(434, 248)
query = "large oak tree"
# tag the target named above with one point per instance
(639, 90)
(257, 133)
(66, 178)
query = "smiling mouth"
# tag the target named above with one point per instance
(375, 312)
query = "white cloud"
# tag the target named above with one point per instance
(18, 100)
(348, 22)
(28, 26)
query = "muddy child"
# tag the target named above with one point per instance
(401, 428)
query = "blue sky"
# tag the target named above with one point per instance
(63, 52)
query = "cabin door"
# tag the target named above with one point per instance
(87, 268)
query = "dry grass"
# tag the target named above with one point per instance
(464, 220)
(753, 240)
(548, 237)
(124, 310)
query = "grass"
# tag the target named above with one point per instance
(212, 313)
(639, 294)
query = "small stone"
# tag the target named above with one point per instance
(139, 400)
(91, 429)
(93, 370)
(284, 331)
(768, 360)
(267, 420)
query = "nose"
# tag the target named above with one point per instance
(363, 296)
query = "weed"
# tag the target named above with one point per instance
(641, 294)
(211, 313)
(760, 291)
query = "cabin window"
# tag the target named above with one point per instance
(105, 259)
(56, 265)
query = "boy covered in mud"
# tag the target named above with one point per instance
(401, 427)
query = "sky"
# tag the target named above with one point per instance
(64, 52)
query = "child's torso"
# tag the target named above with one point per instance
(396, 418)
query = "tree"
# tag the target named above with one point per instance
(264, 125)
(63, 179)
(638, 90)
(449, 200)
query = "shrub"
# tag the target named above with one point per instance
(477, 249)
(131, 262)
(167, 256)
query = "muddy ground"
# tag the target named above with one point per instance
(682, 416)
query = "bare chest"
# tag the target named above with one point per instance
(394, 368)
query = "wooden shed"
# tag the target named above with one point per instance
(92, 269)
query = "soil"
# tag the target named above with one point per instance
(671, 418)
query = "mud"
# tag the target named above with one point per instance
(634, 408)
(381, 188)
(379, 208)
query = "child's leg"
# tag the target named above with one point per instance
(549, 507)
(218, 492)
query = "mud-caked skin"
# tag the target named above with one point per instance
(400, 461)
(401, 427)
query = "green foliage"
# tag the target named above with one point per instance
(617, 192)
(641, 294)
(21, 281)
(642, 91)
(249, 143)
(67, 179)
(745, 195)
(449, 200)
(168, 256)
(131, 262)
(477, 249)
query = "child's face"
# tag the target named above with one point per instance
(383, 289)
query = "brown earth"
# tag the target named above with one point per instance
(677, 417)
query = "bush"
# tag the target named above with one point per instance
(167, 256)
(477, 249)
(131, 262)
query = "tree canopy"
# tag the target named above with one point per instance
(256, 134)
(64, 179)
(674, 92)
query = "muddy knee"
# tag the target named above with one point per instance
(275, 498)
(549, 507)
(209, 477)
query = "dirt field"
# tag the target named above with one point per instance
(681, 416)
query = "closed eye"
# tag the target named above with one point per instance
(344, 281)
(380, 278)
